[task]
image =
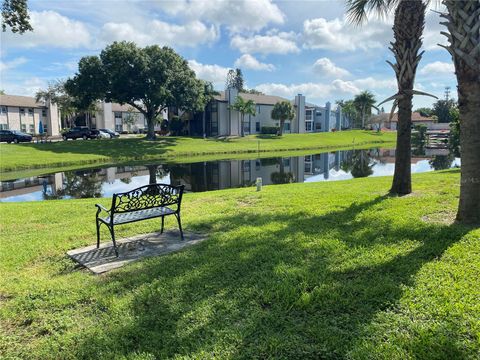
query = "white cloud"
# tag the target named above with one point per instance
(25, 87)
(438, 67)
(272, 43)
(340, 35)
(12, 63)
(236, 15)
(51, 29)
(247, 61)
(159, 32)
(214, 73)
(324, 66)
(322, 92)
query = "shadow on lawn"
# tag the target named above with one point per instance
(115, 148)
(271, 291)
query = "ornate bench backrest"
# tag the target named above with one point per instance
(147, 197)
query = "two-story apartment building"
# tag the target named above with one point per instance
(24, 114)
(221, 120)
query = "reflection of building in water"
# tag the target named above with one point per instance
(49, 184)
(322, 163)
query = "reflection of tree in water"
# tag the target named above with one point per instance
(126, 180)
(78, 186)
(358, 163)
(441, 162)
(282, 177)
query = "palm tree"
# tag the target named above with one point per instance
(243, 107)
(408, 27)
(282, 111)
(363, 103)
(464, 37)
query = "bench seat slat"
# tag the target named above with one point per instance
(132, 216)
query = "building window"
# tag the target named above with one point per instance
(22, 111)
(3, 127)
(118, 114)
(32, 128)
(3, 110)
(44, 112)
(45, 127)
(257, 126)
(30, 112)
(308, 115)
(258, 109)
(118, 127)
(319, 113)
(286, 126)
(23, 128)
(246, 126)
(308, 126)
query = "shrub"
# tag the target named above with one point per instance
(176, 126)
(270, 130)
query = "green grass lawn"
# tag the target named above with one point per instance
(68, 153)
(316, 270)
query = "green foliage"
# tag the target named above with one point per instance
(235, 80)
(176, 126)
(350, 111)
(269, 130)
(314, 271)
(252, 91)
(243, 107)
(454, 137)
(442, 109)
(15, 16)
(421, 133)
(149, 79)
(283, 110)
(425, 111)
(363, 104)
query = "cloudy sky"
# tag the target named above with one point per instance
(283, 47)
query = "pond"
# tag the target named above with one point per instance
(222, 174)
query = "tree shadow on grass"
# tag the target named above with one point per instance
(280, 285)
(115, 148)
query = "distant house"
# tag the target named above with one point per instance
(222, 120)
(417, 119)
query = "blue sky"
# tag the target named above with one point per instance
(282, 47)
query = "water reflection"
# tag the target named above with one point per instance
(216, 175)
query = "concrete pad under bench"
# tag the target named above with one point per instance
(131, 249)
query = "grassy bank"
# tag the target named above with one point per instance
(69, 153)
(319, 270)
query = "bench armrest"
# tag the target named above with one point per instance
(100, 208)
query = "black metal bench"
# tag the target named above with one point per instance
(146, 202)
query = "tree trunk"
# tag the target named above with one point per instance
(242, 133)
(469, 106)
(282, 124)
(151, 128)
(203, 124)
(402, 178)
(462, 20)
(152, 171)
(407, 29)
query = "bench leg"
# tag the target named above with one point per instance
(112, 232)
(98, 234)
(163, 223)
(180, 225)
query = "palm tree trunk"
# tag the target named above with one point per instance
(282, 124)
(408, 28)
(464, 37)
(242, 115)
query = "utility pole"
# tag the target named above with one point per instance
(447, 92)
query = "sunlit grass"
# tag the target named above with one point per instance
(315, 270)
(68, 153)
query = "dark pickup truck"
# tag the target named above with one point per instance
(78, 132)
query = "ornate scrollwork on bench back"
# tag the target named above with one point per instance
(147, 197)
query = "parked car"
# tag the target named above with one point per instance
(78, 132)
(14, 136)
(113, 134)
(101, 134)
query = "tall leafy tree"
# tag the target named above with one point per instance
(243, 107)
(363, 103)
(235, 80)
(409, 22)
(283, 111)
(150, 79)
(349, 110)
(441, 109)
(15, 16)
(208, 95)
(462, 21)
